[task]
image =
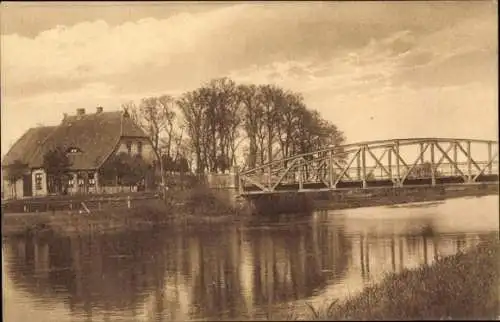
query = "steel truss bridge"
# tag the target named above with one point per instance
(386, 163)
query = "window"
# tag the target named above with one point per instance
(129, 147)
(139, 147)
(81, 180)
(91, 179)
(71, 181)
(38, 181)
(74, 150)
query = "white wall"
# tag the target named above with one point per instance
(8, 189)
(147, 149)
(43, 190)
(76, 189)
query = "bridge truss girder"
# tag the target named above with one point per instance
(348, 163)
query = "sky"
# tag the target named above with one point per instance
(378, 70)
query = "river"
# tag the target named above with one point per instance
(235, 271)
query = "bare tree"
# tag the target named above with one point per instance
(212, 118)
(228, 118)
(156, 116)
(193, 110)
(132, 109)
(290, 112)
(253, 115)
(166, 105)
(219, 116)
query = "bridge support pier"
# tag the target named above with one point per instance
(225, 186)
(280, 203)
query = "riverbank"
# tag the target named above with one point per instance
(301, 202)
(193, 207)
(390, 196)
(462, 286)
(201, 206)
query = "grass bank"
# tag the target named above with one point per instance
(200, 205)
(462, 286)
(189, 207)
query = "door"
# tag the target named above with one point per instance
(27, 186)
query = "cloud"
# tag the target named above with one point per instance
(93, 50)
(190, 46)
(402, 85)
(453, 55)
(350, 60)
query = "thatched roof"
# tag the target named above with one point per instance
(95, 135)
(27, 146)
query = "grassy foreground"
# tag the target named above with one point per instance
(462, 286)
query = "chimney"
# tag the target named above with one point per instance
(98, 109)
(80, 111)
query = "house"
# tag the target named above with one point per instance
(89, 141)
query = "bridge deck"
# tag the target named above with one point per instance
(371, 184)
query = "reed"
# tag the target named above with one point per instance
(462, 286)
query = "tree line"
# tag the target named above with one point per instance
(206, 128)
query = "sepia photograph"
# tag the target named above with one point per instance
(249, 160)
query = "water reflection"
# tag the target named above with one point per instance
(89, 273)
(222, 272)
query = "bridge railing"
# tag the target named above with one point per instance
(435, 158)
(374, 173)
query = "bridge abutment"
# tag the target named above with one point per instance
(280, 203)
(224, 186)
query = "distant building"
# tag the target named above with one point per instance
(89, 141)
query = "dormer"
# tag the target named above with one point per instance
(73, 150)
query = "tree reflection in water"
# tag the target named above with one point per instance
(89, 273)
(214, 272)
(408, 250)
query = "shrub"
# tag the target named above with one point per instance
(203, 200)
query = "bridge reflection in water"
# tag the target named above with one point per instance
(219, 273)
